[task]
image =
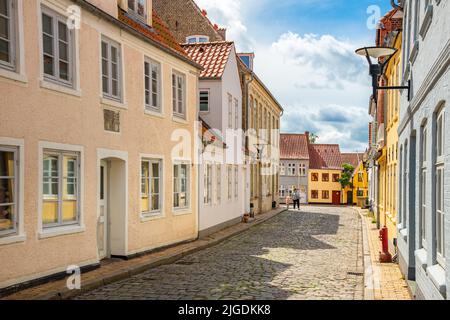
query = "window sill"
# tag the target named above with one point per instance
(11, 75)
(437, 276)
(154, 113)
(113, 103)
(152, 216)
(13, 239)
(179, 119)
(59, 88)
(182, 212)
(422, 256)
(60, 231)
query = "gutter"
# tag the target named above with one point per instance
(102, 14)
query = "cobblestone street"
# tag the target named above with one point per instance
(312, 254)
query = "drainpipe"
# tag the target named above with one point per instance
(247, 124)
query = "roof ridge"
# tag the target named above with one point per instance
(207, 43)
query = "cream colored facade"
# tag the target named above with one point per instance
(41, 117)
(264, 114)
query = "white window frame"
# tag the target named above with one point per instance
(440, 187)
(176, 98)
(236, 182)
(152, 160)
(19, 234)
(423, 186)
(55, 78)
(197, 39)
(12, 26)
(218, 183)
(108, 93)
(60, 155)
(230, 111)
(134, 11)
(207, 184)
(208, 96)
(149, 64)
(79, 227)
(16, 180)
(179, 181)
(230, 182)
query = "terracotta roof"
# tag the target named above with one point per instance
(213, 56)
(158, 32)
(294, 146)
(352, 158)
(325, 156)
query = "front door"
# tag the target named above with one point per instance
(102, 231)
(350, 198)
(336, 198)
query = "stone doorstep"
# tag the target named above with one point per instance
(49, 292)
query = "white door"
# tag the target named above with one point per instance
(102, 228)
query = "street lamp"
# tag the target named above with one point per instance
(377, 69)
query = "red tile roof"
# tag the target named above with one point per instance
(294, 147)
(325, 156)
(158, 32)
(213, 56)
(352, 158)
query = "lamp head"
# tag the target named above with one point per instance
(376, 52)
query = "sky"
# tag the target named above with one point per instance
(304, 53)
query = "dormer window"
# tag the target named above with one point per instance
(197, 39)
(138, 8)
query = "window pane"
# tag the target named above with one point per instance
(4, 28)
(64, 70)
(6, 217)
(131, 4)
(50, 212)
(69, 211)
(155, 202)
(48, 65)
(63, 51)
(62, 32)
(141, 7)
(113, 54)
(155, 172)
(7, 191)
(4, 7)
(6, 164)
(104, 50)
(47, 24)
(4, 51)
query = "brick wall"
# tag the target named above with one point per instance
(185, 18)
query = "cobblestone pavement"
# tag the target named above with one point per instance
(312, 254)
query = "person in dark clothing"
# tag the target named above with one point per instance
(296, 199)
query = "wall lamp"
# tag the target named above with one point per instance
(377, 69)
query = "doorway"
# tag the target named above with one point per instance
(336, 198)
(350, 198)
(112, 201)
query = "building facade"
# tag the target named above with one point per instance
(424, 150)
(225, 193)
(325, 170)
(357, 192)
(294, 166)
(94, 158)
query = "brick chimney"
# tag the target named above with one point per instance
(307, 136)
(223, 33)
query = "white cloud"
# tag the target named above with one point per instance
(312, 76)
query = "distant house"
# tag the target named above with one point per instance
(357, 193)
(325, 170)
(294, 165)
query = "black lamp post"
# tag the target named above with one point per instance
(377, 69)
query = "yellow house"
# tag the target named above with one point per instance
(357, 193)
(390, 163)
(97, 115)
(325, 170)
(262, 113)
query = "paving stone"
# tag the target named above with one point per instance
(296, 255)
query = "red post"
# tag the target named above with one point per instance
(385, 256)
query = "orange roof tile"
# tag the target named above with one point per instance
(294, 146)
(325, 156)
(213, 56)
(352, 158)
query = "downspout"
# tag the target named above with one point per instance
(247, 125)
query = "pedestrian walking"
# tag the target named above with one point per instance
(296, 198)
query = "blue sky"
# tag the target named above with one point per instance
(305, 55)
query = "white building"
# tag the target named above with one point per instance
(424, 179)
(222, 188)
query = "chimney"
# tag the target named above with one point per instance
(223, 33)
(204, 13)
(307, 136)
